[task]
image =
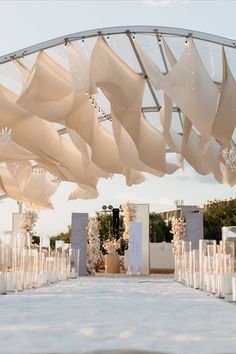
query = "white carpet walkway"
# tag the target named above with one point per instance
(104, 313)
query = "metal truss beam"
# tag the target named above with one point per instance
(119, 30)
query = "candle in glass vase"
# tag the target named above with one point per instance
(234, 288)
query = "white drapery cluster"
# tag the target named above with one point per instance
(93, 247)
(67, 95)
(129, 212)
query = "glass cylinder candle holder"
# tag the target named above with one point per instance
(211, 259)
(234, 288)
(202, 260)
(177, 250)
(186, 250)
(195, 269)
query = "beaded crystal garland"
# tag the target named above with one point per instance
(229, 156)
(5, 136)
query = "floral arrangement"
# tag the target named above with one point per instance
(178, 230)
(111, 246)
(93, 248)
(28, 220)
(129, 212)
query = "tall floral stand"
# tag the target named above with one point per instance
(112, 263)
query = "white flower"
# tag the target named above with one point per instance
(178, 230)
(93, 249)
(129, 212)
(111, 246)
(28, 220)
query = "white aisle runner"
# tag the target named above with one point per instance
(103, 313)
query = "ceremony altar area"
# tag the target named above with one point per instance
(132, 103)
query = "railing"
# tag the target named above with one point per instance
(25, 266)
(211, 268)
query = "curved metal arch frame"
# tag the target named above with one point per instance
(227, 42)
(158, 31)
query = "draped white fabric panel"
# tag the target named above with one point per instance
(225, 120)
(34, 189)
(128, 144)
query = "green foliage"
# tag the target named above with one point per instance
(63, 236)
(218, 213)
(35, 240)
(159, 231)
(105, 221)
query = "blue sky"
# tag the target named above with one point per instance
(24, 23)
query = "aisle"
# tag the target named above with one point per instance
(102, 313)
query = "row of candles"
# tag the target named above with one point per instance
(24, 266)
(211, 268)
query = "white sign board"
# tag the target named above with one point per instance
(45, 241)
(79, 235)
(135, 248)
(142, 216)
(194, 228)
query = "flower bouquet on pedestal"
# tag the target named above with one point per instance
(112, 258)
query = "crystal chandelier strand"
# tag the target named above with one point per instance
(229, 156)
(5, 136)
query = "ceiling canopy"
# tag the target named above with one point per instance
(123, 100)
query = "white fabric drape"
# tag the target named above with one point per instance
(190, 87)
(77, 113)
(225, 120)
(20, 183)
(127, 145)
(124, 89)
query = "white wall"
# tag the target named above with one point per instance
(161, 256)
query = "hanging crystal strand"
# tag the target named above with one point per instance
(229, 156)
(5, 136)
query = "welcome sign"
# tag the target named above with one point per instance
(135, 248)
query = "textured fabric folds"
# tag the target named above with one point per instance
(94, 144)
(190, 87)
(225, 120)
(124, 89)
(34, 189)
